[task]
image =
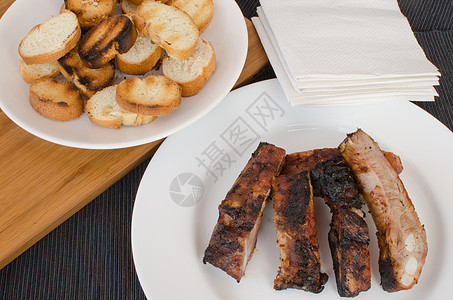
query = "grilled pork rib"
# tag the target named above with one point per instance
(348, 236)
(295, 224)
(305, 161)
(234, 237)
(401, 237)
(348, 240)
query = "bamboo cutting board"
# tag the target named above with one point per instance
(42, 184)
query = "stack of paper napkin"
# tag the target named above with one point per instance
(328, 52)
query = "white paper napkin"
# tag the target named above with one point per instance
(344, 51)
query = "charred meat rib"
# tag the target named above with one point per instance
(234, 237)
(348, 240)
(295, 224)
(348, 236)
(401, 237)
(305, 161)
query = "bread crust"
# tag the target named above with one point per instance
(162, 31)
(139, 67)
(128, 7)
(60, 101)
(70, 42)
(136, 2)
(154, 95)
(91, 13)
(192, 87)
(201, 11)
(30, 74)
(116, 34)
(87, 80)
(113, 118)
(117, 123)
(107, 123)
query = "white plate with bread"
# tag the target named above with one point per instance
(21, 98)
(176, 207)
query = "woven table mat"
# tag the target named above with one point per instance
(89, 256)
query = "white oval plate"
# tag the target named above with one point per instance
(176, 204)
(227, 33)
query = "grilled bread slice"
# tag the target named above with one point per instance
(192, 73)
(91, 12)
(200, 11)
(136, 2)
(116, 34)
(50, 40)
(88, 80)
(60, 101)
(103, 110)
(141, 58)
(168, 26)
(31, 73)
(128, 7)
(154, 95)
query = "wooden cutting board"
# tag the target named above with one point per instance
(42, 184)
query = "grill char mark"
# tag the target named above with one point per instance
(101, 43)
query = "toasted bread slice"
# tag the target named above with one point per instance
(92, 12)
(154, 95)
(116, 34)
(103, 110)
(64, 9)
(60, 101)
(193, 72)
(31, 73)
(87, 80)
(50, 40)
(136, 2)
(128, 7)
(167, 26)
(141, 58)
(200, 11)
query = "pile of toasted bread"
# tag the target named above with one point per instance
(72, 61)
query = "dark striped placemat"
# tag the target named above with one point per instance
(89, 256)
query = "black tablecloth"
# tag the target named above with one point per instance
(89, 256)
